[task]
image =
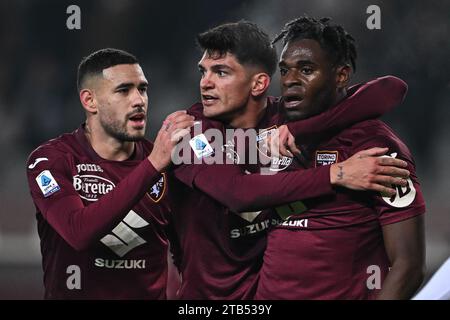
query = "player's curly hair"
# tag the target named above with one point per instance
(332, 38)
(102, 59)
(245, 40)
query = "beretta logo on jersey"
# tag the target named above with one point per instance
(91, 187)
(325, 158)
(158, 189)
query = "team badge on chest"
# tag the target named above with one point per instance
(158, 189)
(325, 158)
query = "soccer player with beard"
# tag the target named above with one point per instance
(101, 193)
(355, 245)
(219, 231)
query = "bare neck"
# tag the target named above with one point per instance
(251, 116)
(105, 146)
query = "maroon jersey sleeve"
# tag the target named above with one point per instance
(364, 101)
(50, 181)
(239, 191)
(408, 201)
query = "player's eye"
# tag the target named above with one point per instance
(221, 73)
(142, 89)
(123, 90)
(283, 71)
(307, 70)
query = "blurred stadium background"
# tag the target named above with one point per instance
(38, 98)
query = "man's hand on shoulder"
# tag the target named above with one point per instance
(368, 170)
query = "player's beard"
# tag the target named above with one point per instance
(118, 130)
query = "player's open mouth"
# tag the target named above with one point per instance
(292, 101)
(208, 100)
(138, 119)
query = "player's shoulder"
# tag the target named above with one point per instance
(56, 148)
(375, 133)
(196, 110)
(274, 110)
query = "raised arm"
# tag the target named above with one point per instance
(365, 101)
(81, 224)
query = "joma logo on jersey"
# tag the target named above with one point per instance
(158, 189)
(122, 238)
(91, 187)
(89, 167)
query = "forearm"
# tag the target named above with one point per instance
(80, 225)
(248, 192)
(402, 281)
(405, 246)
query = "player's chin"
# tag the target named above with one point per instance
(295, 114)
(136, 133)
(211, 112)
(135, 137)
(135, 127)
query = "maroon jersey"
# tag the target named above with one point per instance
(329, 247)
(219, 219)
(101, 223)
(218, 222)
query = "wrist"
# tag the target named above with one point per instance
(336, 174)
(156, 163)
(333, 174)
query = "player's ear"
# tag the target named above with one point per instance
(87, 99)
(343, 76)
(261, 82)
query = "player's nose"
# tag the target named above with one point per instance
(139, 98)
(206, 82)
(291, 78)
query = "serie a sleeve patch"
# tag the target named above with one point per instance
(201, 146)
(47, 183)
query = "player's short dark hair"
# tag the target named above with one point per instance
(102, 59)
(339, 45)
(243, 39)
